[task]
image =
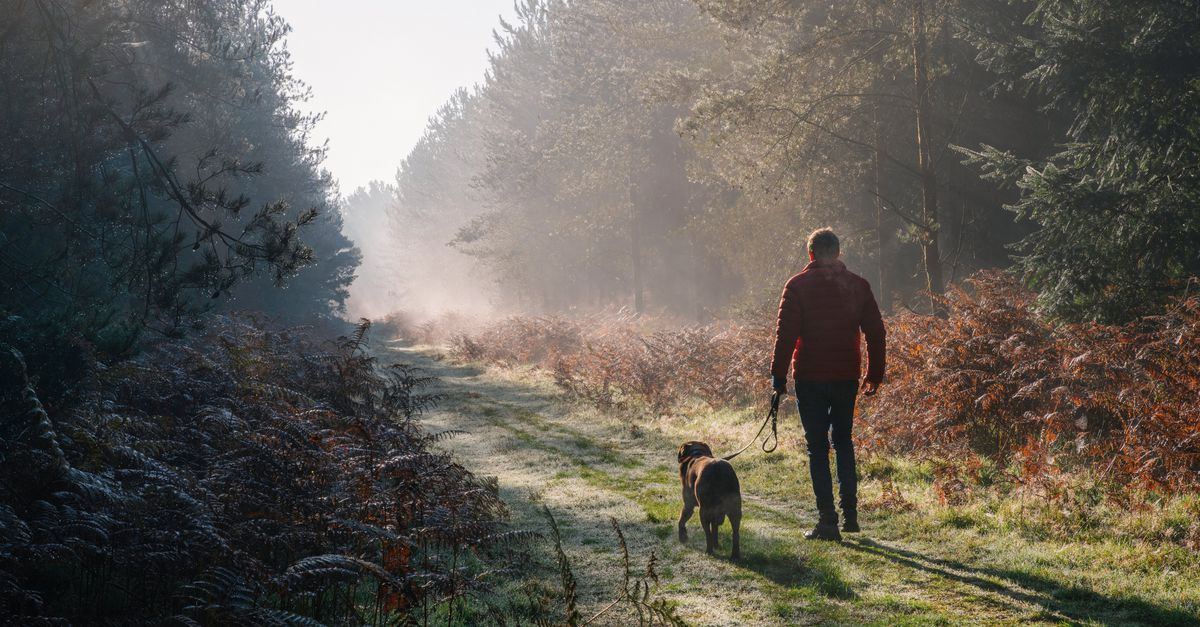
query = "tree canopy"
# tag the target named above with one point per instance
(154, 163)
(672, 155)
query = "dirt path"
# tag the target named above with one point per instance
(587, 468)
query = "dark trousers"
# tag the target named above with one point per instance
(825, 408)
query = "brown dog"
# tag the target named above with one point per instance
(711, 484)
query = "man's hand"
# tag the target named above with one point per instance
(779, 384)
(870, 388)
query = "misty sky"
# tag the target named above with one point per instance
(380, 68)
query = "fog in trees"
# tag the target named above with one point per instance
(670, 156)
(216, 364)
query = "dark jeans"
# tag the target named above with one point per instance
(826, 407)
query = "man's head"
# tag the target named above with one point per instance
(823, 245)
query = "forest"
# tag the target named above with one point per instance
(232, 392)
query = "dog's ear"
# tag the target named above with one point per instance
(707, 449)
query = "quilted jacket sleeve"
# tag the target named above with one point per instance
(787, 330)
(872, 327)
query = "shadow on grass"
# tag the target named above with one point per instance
(777, 560)
(1065, 601)
(770, 557)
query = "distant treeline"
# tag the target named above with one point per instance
(672, 154)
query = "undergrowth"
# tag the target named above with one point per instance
(247, 475)
(612, 363)
(992, 393)
(241, 476)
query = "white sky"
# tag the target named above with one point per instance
(380, 68)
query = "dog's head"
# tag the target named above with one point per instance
(693, 449)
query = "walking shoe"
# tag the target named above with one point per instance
(850, 522)
(824, 532)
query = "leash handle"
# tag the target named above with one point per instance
(773, 415)
(773, 438)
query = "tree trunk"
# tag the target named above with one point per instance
(635, 230)
(885, 302)
(699, 289)
(635, 240)
(929, 212)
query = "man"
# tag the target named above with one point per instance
(821, 313)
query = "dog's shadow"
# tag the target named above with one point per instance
(777, 559)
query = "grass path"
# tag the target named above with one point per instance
(587, 467)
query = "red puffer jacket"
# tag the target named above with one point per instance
(820, 314)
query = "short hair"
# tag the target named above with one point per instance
(823, 243)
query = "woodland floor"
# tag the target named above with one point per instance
(927, 565)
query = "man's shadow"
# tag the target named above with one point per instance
(1062, 601)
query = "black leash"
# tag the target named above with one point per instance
(773, 438)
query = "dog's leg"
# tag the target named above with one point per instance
(716, 527)
(683, 518)
(735, 521)
(706, 524)
(689, 505)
